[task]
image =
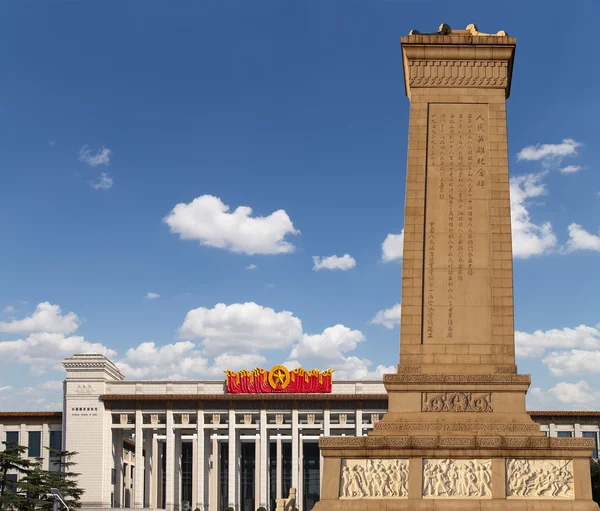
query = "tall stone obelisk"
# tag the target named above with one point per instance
(457, 434)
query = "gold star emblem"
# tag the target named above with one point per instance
(279, 376)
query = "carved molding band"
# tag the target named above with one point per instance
(461, 73)
(457, 479)
(539, 479)
(374, 478)
(457, 378)
(456, 402)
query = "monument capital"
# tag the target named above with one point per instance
(457, 59)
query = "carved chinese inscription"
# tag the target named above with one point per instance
(457, 479)
(457, 249)
(539, 479)
(374, 478)
(456, 402)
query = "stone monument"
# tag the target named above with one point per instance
(457, 434)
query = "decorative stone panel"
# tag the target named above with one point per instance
(374, 478)
(457, 479)
(456, 402)
(539, 479)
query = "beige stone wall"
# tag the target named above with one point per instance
(482, 330)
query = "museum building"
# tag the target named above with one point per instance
(241, 442)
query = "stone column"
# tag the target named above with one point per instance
(45, 453)
(257, 471)
(108, 461)
(148, 467)
(279, 468)
(358, 421)
(118, 457)
(177, 478)
(326, 432)
(232, 443)
(200, 460)
(264, 459)
(156, 464)
(138, 481)
(295, 460)
(300, 487)
(170, 463)
(213, 493)
(194, 498)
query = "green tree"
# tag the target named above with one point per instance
(11, 460)
(595, 470)
(63, 478)
(35, 486)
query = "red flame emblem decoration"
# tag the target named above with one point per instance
(278, 380)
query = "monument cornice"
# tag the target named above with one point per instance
(462, 58)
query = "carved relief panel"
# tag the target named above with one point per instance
(539, 479)
(374, 478)
(456, 402)
(457, 479)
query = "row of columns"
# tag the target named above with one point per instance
(148, 470)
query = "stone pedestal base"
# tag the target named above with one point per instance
(434, 473)
(455, 505)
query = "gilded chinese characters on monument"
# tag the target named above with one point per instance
(457, 478)
(457, 232)
(539, 478)
(374, 478)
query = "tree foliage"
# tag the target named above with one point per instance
(30, 493)
(595, 470)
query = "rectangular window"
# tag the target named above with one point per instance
(564, 434)
(56, 440)
(35, 444)
(12, 437)
(11, 479)
(594, 435)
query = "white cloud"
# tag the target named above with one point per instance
(354, 368)
(207, 220)
(564, 396)
(151, 296)
(389, 318)
(51, 143)
(236, 361)
(575, 394)
(104, 182)
(346, 262)
(44, 349)
(46, 318)
(251, 267)
(241, 326)
(93, 158)
(173, 361)
(549, 154)
(528, 238)
(580, 239)
(570, 169)
(6, 387)
(573, 362)
(535, 344)
(330, 345)
(8, 308)
(51, 385)
(391, 248)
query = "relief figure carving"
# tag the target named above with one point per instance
(539, 479)
(457, 478)
(374, 478)
(456, 402)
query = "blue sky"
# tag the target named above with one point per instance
(112, 113)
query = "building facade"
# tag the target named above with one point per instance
(191, 444)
